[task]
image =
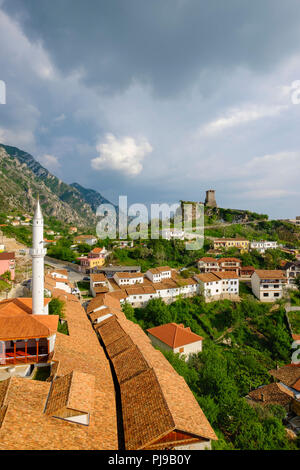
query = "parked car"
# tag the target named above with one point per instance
(86, 278)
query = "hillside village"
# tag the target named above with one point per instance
(164, 329)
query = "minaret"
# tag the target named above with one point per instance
(37, 253)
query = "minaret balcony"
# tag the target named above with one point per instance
(37, 252)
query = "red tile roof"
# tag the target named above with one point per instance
(7, 256)
(174, 335)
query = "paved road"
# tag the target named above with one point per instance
(73, 275)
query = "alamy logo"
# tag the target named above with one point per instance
(296, 354)
(166, 221)
(2, 92)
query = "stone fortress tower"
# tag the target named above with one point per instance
(37, 253)
(210, 200)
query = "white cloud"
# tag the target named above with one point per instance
(271, 176)
(237, 116)
(60, 118)
(50, 161)
(125, 154)
(20, 137)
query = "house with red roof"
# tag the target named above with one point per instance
(7, 263)
(176, 338)
(25, 338)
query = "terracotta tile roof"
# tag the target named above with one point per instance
(159, 269)
(270, 274)
(26, 426)
(119, 346)
(229, 260)
(174, 335)
(74, 391)
(207, 259)
(17, 321)
(7, 256)
(119, 294)
(207, 277)
(17, 306)
(97, 250)
(105, 311)
(237, 239)
(150, 410)
(163, 269)
(139, 290)
(289, 374)
(184, 408)
(129, 363)
(98, 277)
(273, 393)
(181, 281)
(110, 330)
(64, 272)
(100, 289)
(146, 416)
(128, 275)
(85, 237)
(226, 275)
(103, 300)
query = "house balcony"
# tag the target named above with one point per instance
(31, 352)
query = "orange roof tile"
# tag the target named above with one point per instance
(174, 335)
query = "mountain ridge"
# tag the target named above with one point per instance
(22, 178)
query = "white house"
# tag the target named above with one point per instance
(98, 284)
(172, 234)
(292, 270)
(208, 264)
(159, 274)
(87, 239)
(139, 296)
(128, 279)
(176, 338)
(215, 286)
(263, 245)
(268, 285)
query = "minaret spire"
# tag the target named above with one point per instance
(38, 252)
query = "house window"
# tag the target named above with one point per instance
(266, 294)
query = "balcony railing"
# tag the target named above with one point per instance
(10, 358)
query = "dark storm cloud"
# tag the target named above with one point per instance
(158, 99)
(165, 43)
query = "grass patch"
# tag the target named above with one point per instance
(42, 373)
(83, 285)
(63, 328)
(294, 318)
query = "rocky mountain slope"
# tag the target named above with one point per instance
(22, 178)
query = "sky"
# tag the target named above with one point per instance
(158, 100)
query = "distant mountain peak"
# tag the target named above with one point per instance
(19, 188)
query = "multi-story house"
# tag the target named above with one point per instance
(93, 260)
(7, 263)
(226, 243)
(87, 239)
(292, 271)
(211, 265)
(98, 284)
(159, 274)
(230, 265)
(127, 279)
(263, 245)
(268, 285)
(216, 286)
(208, 265)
